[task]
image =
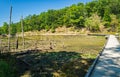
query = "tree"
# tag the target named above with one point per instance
(77, 15)
(5, 28)
(1, 31)
(13, 29)
(114, 23)
(93, 23)
(107, 15)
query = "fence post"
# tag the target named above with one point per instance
(22, 32)
(9, 29)
(0, 46)
(16, 42)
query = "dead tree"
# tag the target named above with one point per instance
(22, 31)
(9, 29)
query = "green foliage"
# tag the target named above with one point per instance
(5, 69)
(13, 29)
(114, 23)
(47, 28)
(53, 28)
(93, 23)
(1, 30)
(107, 24)
(76, 15)
(107, 15)
(5, 28)
(6, 66)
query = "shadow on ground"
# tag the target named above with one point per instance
(51, 64)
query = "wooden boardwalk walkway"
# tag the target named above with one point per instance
(108, 63)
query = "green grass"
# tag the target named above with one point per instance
(7, 68)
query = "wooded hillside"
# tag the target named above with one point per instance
(95, 16)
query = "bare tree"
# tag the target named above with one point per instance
(22, 31)
(9, 29)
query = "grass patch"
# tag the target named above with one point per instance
(7, 67)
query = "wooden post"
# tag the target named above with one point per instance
(16, 43)
(22, 31)
(0, 46)
(9, 29)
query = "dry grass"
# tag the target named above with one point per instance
(77, 43)
(70, 56)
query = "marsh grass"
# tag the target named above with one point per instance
(70, 56)
(54, 43)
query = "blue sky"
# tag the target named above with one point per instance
(29, 7)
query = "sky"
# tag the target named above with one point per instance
(30, 7)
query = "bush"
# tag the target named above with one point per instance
(53, 30)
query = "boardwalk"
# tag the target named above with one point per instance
(108, 64)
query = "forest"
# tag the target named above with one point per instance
(94, 16)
